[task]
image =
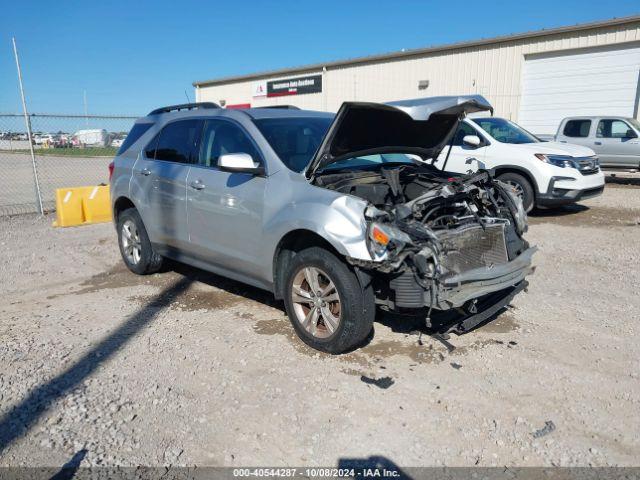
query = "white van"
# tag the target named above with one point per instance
(543, 174)
(92, 138)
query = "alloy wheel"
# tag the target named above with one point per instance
(316, 302)
(131, 245)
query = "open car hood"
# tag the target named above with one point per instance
(421, 126)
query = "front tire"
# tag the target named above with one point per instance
(135, 247)
(328, 308)
(521, 187)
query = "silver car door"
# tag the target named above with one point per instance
(616, 143)
(577, 131)
(225, 208)
(174, 152)
(142, 186)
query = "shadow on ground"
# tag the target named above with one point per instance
(408, 324)
(622, 181)
(69, 469)
(365, 467)
(550, 213)
(19, 419)
(577, 215)
(227, 285)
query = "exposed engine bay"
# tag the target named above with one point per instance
(437, 240)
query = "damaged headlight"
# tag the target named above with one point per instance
(382, 238)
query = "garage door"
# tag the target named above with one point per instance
(594, 81)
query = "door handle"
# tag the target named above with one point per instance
(197, 184)
(145, 171)
(597, 143)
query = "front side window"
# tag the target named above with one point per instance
(577, 128)
(613, 129)
(295, 139)
(505, 131)
(464, 129)
(176, 142)
(221, 138)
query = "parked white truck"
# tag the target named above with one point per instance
(543, 174)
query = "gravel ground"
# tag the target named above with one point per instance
(187, 368)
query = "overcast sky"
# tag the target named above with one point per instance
(131, 56)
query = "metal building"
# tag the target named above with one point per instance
(535, 78)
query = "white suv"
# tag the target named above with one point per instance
(543, 174)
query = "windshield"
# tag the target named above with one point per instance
(294, 139)
(505, 131)
(635, 123)
(368, 161)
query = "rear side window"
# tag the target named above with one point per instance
(577, 128)
(176, 142)
(136, 132)
(150, 150)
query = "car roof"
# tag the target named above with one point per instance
(253, 113)
(260, 113)
(592, 117)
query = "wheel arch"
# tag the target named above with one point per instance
(292, 242)
(121, 204)
(520, 171)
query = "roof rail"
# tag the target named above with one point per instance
(184, 106)
(284, 107)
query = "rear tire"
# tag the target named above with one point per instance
(521, 187)
(344, 310)
(135, 247)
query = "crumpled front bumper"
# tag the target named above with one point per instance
(457, 289)
(454, 290)
(486, 308)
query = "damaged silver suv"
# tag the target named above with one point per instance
(335, 214)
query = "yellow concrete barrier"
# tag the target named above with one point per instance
(97, 205)
(82, 206)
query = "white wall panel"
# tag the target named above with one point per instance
(493, 70)
(590, 81)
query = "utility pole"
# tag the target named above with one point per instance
(86, 115)
(27, 122)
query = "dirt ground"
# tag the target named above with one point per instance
(187, 368)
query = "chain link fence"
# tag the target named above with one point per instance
(68, 151)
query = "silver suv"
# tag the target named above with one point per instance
(334, 214)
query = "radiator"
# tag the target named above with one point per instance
(470, 247)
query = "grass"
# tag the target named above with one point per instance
(71, 152)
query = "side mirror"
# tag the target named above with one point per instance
(471, 141)
(630, 134)
(240, 163)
